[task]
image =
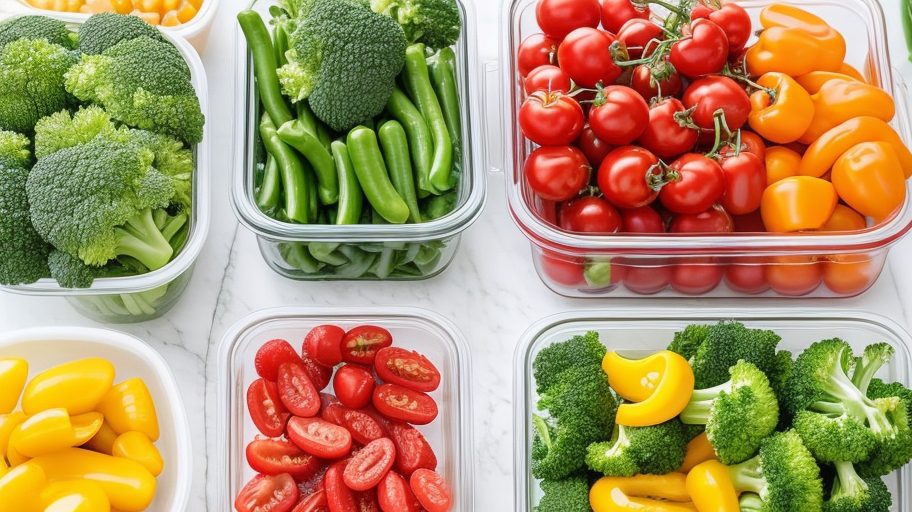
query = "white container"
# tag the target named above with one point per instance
(49, 346)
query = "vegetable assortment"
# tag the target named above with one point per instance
(720, 421)
(75, 440)
(353, 449)
(167, 13)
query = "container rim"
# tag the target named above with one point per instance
(546, 235)
(473, 173)
(200, 217)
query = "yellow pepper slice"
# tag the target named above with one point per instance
(52, 430)
(74, 496)
(659, 386)
(13, 374)
(710, 486)
(76, 386)
(103, 442)
(128, 407)
(643, 493)
(699, 450)
(138, 447)
(20, 486)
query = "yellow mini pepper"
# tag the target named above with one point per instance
(823, 153)
(128, 406)
(74, 496)
(13, 374)
(657, 387)
(781, 163)
(782, 111)
(869, 178)
(652, 493)
(20, 487)
(798, 203)
(52, 430)
(76, 386)
(103, 442)
(699, 450)
(138, 447)
(840, 100)
(710, 486)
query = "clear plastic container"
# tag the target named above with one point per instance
(147, 296)
(765, 264)
(646, 331)
(416, 329)
(420, 251)
(46, 347)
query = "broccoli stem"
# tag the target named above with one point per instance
(856, 404)
(748, 476)
(141, 240)
(701, 401)
(848, 482)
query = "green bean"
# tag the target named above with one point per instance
(351, 199)
(420, 143)
(264, 66)
(372, 175)
(439, 206)
(297, 255)
(291, 168)
(416, 72)
(296, 134)
(313, 200)
(326, 252)
(443, 75)
(280, 42)
(270, 190)
(313, 124)
(396, 156)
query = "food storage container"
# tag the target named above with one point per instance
(751, 263)
(49, 346)
(640, 332)
(365, 251)
(147, 296)
(415, 329)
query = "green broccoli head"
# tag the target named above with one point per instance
(567, 495)
(852, 493)
(654, 450)
(687, 342)
(435, 23)
(551, 361)
(36, 27)
(894, 452)
(727, 343)
(32, 82)
(104, 30)
(738, 414)
(70, 271)
(834, 437)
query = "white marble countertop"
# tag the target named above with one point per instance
(491, 291)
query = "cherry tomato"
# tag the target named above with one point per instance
(563, 270)
(750, 223)
(536, 50)
(594, 148)
(745, 181)
(640, 37)
(551, 118)
(395, 495)
(354, 385)
(339, 497)
(400, 403)
(557, 18)
(704, 51)
(710, 94)
(362, 426)
(557, 173)
(266, 409)
(793, 275)
(314, 502)
(733, 20)
(619, 115)
(267, 494)
(622, 177)
(320, 438)
(272, 354)
(586, 56)
(697, 276)
(589, 214)
(666, 134)
(407, 368)
(641, 220)
(365, 470)
(547, 78)
(698, 183)
(361, 344)
(643, 81)
(714, 220)
(850, 274)
(750, 143)
(431, 490)
(615, 13)
(412, 449)
(296, 391)
(320, 375)
(746, 275)
(324, 344)
(647, 278)
(277, 456)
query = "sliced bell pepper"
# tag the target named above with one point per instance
(813, 81)
(699, 450)
(798, 203)
(74, 496)
(76, 386)
(13, 374)
(841, 100)
(782, 111)
(710, 486)
(20, 486)
(653, 493)
(869, 178)
(658, 386)
(823, 153)
(103, 442)
(52, 430)
(138, 447)
(781, 163)
(129, 407)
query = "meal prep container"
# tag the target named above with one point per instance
(818, 265)
(641, 332)
(415, 329)
(147, 296)
(49, 346)
(430, 246)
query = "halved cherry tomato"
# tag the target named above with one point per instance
(412, 449)
(365, 470)
(619, 115)
(697, 276)
(338, 495)
(536, 50)
(640, 37)
(793, 275)
(395, 495)
(667, 134)
(320, 438)
(431, 490)
(594, 148)
(589, 214)
(266, 409)
(551, 118)
(709, 94)
(401, 403)
(644, 81)
(297, 392)
(272, 354)
(324, 344)
(367, 501)
(313, 484)
(714, 220)
(267, 494)
(745, 181)
(731, 17)
(746, 275)
(703, 51)
(361, 344)
(362, 426)
(622, 177)
(615, 13)
(407, 368)
(320, 375)
(354, 385)
(641, 220)
(586, 56)
(557, 18)
(698, 182)
(277, 456)
(557, 173)
(315, 502)
(547, 78)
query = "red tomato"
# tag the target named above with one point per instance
(338, 495)
(751, 223)
(296, 391)
(267, 494)
(745, 181)
(622, 177)
(702, 52)
(586, 56)
(646, 278)
(641, 220)
(615, 13)
(394, 495)
(536, 50)
(696, 185)
(557, 173)
(640, 37)
(547, 78)
(367, 501)
(664, 135)
(401, 403)
(714, 220)
(431, 490)
(315, 502)
(551, 118)
(750, 143)
(733, 20)
(320, 375)
(710, 94)
(365, 470)
(619, 115)
(562, 270)
(643, 80)
(277, 456)
(319, 438)
(557, 18)
(746, 275)
(589, 214)
(594, 148)
(361, 344)
(850, 274)
(412, 449)
(696, 278)
(407, 368)
(266, 409)
(362, 426)
(793, 275)
(324, 344)
(353, 385)
(271, 355)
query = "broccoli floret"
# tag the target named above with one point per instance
(31, 82)
(852, 493)
(872, 359)
(568, 495)
(892, 453)
(654, 450)
(104, 30)
(143, 83)
(728, 342)
(435, 23)
(36, 27)
(784, 476)
(687, 342)
(70, 271)
(344, 59)
(738, 414)
(551, 361)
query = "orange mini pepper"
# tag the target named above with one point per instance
(782, 111)
(813, 81)
(841, 100)
(792, 51)
(798, 203)
(869, 178)
(823, 153)
(848, 69)
(844, 219)
(832, 46)
(699, 450)
(710, 486)
(658, 387)
(781, 163)
(653, 493)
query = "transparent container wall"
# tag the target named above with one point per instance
(643, 332)
(127, 308)
(418, 330)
